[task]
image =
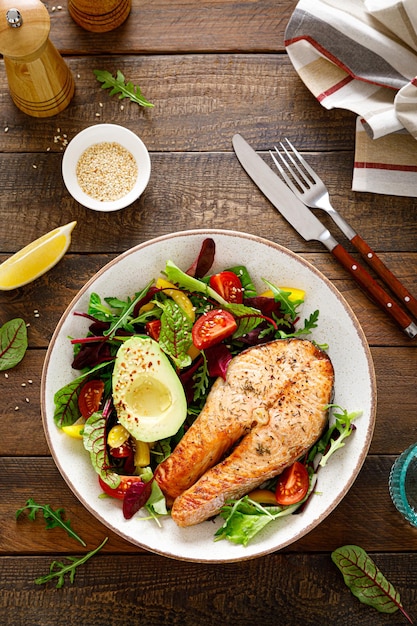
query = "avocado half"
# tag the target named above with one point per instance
(147, 393)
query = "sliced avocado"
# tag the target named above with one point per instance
(147, 393)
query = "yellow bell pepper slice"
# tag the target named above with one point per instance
(263, 496)
(295, 294)
(142, 454)
(75, 430)
(178, 296)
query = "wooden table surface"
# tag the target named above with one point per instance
(212, 68)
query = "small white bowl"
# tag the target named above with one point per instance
(98, 134)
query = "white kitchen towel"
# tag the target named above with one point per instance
(361, 55)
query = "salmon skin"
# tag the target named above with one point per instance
(267, 413)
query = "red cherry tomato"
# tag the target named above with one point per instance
(213, 327)
(292, 485)
(123, 451)
(228, 285)
(119, 492)
(90, 397)
(153, 329)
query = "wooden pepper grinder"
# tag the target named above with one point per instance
(40, 82)
(99, 16)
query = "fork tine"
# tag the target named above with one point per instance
(306, 180)
(290, 181)
(304, 163)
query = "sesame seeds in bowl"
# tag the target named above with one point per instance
(106, 167)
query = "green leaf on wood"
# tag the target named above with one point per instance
(118, 85)
(53, 518)
(13, 343)
(366, 581)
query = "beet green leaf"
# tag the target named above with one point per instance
(366, 581)
(13, 343)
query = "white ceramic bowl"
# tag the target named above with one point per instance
(98, 134)
(355, 389)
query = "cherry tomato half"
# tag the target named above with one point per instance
(90, 397)
(228, 285)
(119, 492)
(153, 329)
(213, 327)
(292, 485)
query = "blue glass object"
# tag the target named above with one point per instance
(403, 484)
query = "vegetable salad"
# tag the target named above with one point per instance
(200, 321)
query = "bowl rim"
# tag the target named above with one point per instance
(312, 524)
(79, 143)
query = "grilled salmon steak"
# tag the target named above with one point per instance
(267, 413)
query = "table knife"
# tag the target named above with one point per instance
(310, 228)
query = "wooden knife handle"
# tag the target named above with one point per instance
(387, 276)
(374, 290)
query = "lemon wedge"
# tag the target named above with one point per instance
(36, 258)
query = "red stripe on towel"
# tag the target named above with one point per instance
(385, 166)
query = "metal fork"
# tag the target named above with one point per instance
(311, 190)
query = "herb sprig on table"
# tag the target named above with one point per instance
(55, 519)
(118, 85)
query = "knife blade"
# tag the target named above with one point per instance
(310, 228)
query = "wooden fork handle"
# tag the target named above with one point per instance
(375, 291)
(387, 276)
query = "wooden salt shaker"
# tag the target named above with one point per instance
(40, 82)
(99, 16)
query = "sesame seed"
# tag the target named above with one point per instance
(16, 408)
(106, 171)
(6, 375)
(6, 130)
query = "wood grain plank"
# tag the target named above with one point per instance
(188, 190)
(281, 588)
(163, 26)
(200, 101)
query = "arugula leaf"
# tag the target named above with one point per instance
(245, 518)
(288, 307)
(201, 380)
(13, 343)
(94, 440)
(58, 569)
(175, 336)
(124, 317)
(53, 518)
(337, 433)
(119, 86)
(98, 310)
(366, 581)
